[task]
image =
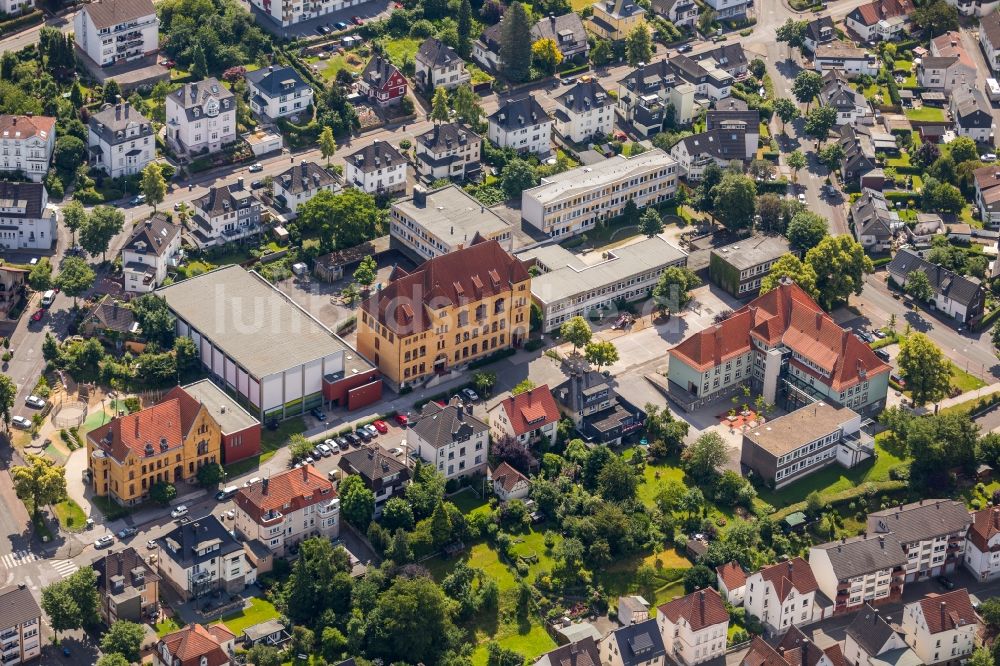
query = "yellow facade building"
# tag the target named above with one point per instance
(168, 442)
(615, 19)
(450, 311)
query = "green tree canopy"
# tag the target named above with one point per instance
(576, 331)
(40, 275)
(601, 353)
(790, 266)
(786, 111)
(650, 223)
(517, 176)
(806, 230)
(673, 291)
(357, 502)
(919, 286)
(103, 224)
(926, 371)
(840, 264)
(734, 200)
(546, 55)
(124, 638)
(705, 456)
(806, 86)
(410, 622)
(439, 105)
(515, 43)
(153, 185)
(41, 482)
(638, 45)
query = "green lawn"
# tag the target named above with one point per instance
(478, 75)
(328, 68)
(902, 161)
(258, 611)
(964, 380)
(926, 113)
(402, 50)
(966, 406)
(469, 502)
(532, 643)
(167, 626)
(580, 5)
(70, 515)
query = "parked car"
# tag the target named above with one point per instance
(396, 451)
(882, 354)
(684, 48)
(127, 533)
(318, 413)
(256, 185)
(945, 582)
(364, 434)
(38, 315)
(357, 20)
(402, 420)
(340, 25)
(469, 394)
(802, 197)
(179, 510)
(21, 422)
(104, 541)
(34, 401)
(323, 30)
(353, 439)
(309, 460)
(381, 426)
(878, 333)
(327, 448)
(316, 453)
(372, 430)
(342, 443)
(138, 199)
(255, 167)
(989, 157)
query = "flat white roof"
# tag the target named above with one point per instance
(586, 178)
(452, 215)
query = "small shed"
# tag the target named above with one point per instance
(933, 98)
(574, 632)
(696, 548)
(795, 522)
(932, 133)
(270, 632)
(984, 473)
(632, 609)
(334, 266)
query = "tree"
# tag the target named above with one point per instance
(41, 482)
(698, 577)
(264, 655)
(963, 149)
(830, 156)
(630, 213)
(327, 144)
(806, 86)
(819, 121)
(943, 197)
(497, 655)
(786, 111)
(806, 230)
(706, 20)
(926, 371)
(154, 186)
(68, 153)
(75, 278)
(795, 161)
(60, 607)
(155, 320)
(814, 503)
(840, 264)
(468, 106)
(919, 286)
(673, 291)
(996, 336)
(112, 91)
(332, 641)
(926, 154)
(439, 105)
(74, 216)
(397, 514)
(761, 170)
(601, 353)
(792, 32)
(981, 656)
(124, 638)
(526, 385)
(703, 458)
(162, 493)
(40, 275)
(113, 659)
(103, 223)
(210, 474)
(464, 46)
(515, 43)
(790, 266)
(546, 55)
(366, 272)
(734, 199)
(576, 331)
(357, 502)
(517, 176)
(8, 392)
(650, 223)
(601, 54)
(340, 220)
(199, 62)
(638, 45)
(663, 428)
(617, 481)
(485, 381)
(408, 622)
(299, 447)
(937, 17)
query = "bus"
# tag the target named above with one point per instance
(993, 90)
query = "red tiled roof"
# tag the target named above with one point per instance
(950, 44)
(286, 492)
(507, 476)
(873, 12)
(732, 574)
(700, 609)
(195, 641)
(24, 127)
(985, 526)
(794, 642)
(167, 421)
(952, 610)
(869, 13)
(795, 573)
(531, 410)
(762, 654)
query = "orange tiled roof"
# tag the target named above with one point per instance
(24, 127)
(732, 575)
(531, 410)
(700, 609)
(795, 573)
(985, 526)
(507, 476)
(166, 422)
(285, 492)
(195, 641)
(951, 610)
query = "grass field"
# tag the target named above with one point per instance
(926, 113)
(258, 611)
(329, 67)
(965, 380)
(70, 515)
(168, 625)
(402, 50)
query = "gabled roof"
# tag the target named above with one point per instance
(918, 521)
(762, 654)
(972, 110)
(950, 44)
(989, 26)
(566, 30)
(195, 641)
(109, 13)
(729, 57)
(440, 426)
(17, 606)
(944, 612)
(639, 643)
(434, 53)
(303, 177)
(584, 96)
(873, 12)
(276, 81)
(837, 92)
(723, 144)
(285, 493)
(793, 574)
(183, 542)
(987, 177)
(19, 128)
(115, 118)
(873, 216)
(151, 431)
(374, 156)
(153, 236)
(985, 526)
(193, 96)
(732, 574)
(814, 29)
(29, 197)
(225, 199)
(727, 113)
(583, 652)
(378, 71)
(957, 287)
(447, 136)
(700, 609)
(530, 410)
(121, 563)
(870, 630)
(515, 114)
(863, 555)
(109, 313)
(798, 650)
(507, 476)
(372, 464)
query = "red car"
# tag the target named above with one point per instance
(356, 20)
(381, 426)
(38, 315)
(402, 420)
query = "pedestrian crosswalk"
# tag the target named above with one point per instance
(17, 558)
(64, 568)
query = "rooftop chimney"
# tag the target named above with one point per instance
(264, 484)
(805, 652)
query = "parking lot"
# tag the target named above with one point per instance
(394, 438)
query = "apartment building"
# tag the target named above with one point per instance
(574, 201)
(846, 57)
(982, 546)
(12, 287)
(291, 12)
(585, 112)
(451, 438)
(120, 139)
(941, 628)
(432, 223)
(384, 475)
(739, 267)
(989, 39)
(225, 214)
(881, 20)
(26, 144)
(637, 644)
(129, 587)
(20, 623)
(949, 65)
(201, 117)
(377, 168)
(448, 312)
(568, 284)
(278, 92)
(201, 557)
(694, 627)
(615, 19)
(931, 533)
(523, 125)
(449, 150)
(972, 114)
(153, 248)
(600, 415)
(27, 222)
(861, 570)
(526, 418)
(197, 645)
(300, 183)
(438, 66)
(110, 32)
(728, 143)
(282, 510)
(785, 594)
(870, 636)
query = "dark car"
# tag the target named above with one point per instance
(882, 354)
(340, 25)
(318, 413)
(342, 442)
(127, 533)
(684, 48)
(322, 29)
(946, 583)
(364, 434)
(256, 185)
(353, 439)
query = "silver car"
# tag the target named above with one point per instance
(21, 422)
(34, 401)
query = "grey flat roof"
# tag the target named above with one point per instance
(789, 432)
(254, 323)
(752, 251)
(569, 275)
(224, 410)
(585, 179)
(452, 216)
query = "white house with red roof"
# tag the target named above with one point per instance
(732, 582)
(526, 417)
(508, 483)
(941, 627)
(785, 346)
(28, 142)
(785, 595)
(196, 645)
(694, 627)
(982, 544)
(284, 509)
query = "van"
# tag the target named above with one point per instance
(333, 474)
(252, 481)
(47, 298)
(993, 90)
(226, 493)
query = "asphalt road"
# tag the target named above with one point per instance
(19, 40)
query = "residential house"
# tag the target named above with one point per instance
(728, 57)
(615, 19)
(431, 223)
(12, 287)
(381, 473)
(721, 147)
(15, 7)
(486, 49)
(819, 31)
(682, 13)
(438, 66)
(730, 9)
(382, 82)
(282, 510)
(805, 441)
(20, 623)
(278, 92)
(880, 20)
(508, 483)
(152, 249)
(785, 594)
(451, 438)
(225, 214)
(635, 645)
(852, 60)
(931, 533)
(112, 32)
(197, 645)
(981, 8)
(567, 32)
(27, 222)
(734, 114)
(871, 640)
(972, 114)
(875, 223)
(26, 144)
(120, 139)
(377, 168)
(989, 38)
(921, 234)
(111, 321)
(526, 418)
(785, 346)
(300, 183)
(957, 296)
(201, 117)
(795, 649)
(988, 194)
(649, 91)
(982, 545)
(941, 628)
(632, 609)
(694, 627)
(584, 652)
(739, 267)
(129, 587)
(860, 570)
(449, 150)
(600, 415)
(858, 161)
(732, 582)
(585, 112)
(202, 556)
(851, 105)
(523, 125)
(575, 201)
(949, 65)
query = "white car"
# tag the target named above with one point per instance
(396, 451)
(802, 197)
(104, 541)
(21, 422)
(179, 510)
(989, 157)
(34, 401)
